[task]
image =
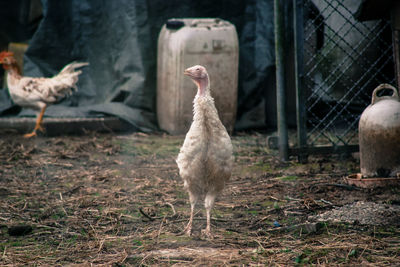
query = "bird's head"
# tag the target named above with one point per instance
(7, 59)
(196, 72)
(199, 76)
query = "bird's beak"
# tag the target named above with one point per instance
(187, 72)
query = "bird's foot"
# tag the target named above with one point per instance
(207, 233)
(41, 128)
(187, 231)
(29, 135)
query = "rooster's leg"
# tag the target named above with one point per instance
(193, 201)
(38, 125)
(40, 120)
(209, 204)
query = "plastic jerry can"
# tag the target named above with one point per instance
(182, 43)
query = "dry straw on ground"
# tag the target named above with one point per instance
(108, 200)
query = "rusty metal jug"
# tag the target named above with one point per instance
(379, 135)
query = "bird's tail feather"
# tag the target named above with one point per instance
(72, 66)
(65, 81)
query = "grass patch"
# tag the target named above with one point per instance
(289, 178)
(161, 147)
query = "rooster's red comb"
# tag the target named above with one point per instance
(5, 53)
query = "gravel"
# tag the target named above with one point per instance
(365, 213)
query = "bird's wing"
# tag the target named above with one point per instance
(37, 89)
(28, 92)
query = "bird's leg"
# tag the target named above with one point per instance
(188, 228)
(209, 204)
(193, 201)
(40, 120)
(38, 125)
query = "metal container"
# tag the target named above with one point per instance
(183, 43)
(358, 180)
(379, 135)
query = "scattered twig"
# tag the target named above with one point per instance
(159, 230)
(293, 199)
(124, 258)
(258, 242)
(274, 198)
(233, 230)
(326, 202)
(24, 207)
(345, 186)
(145, 214)
(101, 242)
(172, 207)
(203, 219)
(288, 212)
(362, 252)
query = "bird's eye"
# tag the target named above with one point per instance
(198, 69)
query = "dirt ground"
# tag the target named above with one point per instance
(117, 200)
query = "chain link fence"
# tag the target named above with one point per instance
(344, 60)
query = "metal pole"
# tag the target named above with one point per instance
(396, 40)
(298, 61)
(280, 78)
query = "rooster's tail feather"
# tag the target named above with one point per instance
(72, 66)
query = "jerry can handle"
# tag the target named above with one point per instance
(376, 98)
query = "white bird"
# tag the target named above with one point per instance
(38, 93)
(205, 160)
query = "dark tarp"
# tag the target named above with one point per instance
(119, 39)
(374, 9)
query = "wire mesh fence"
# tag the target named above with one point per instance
(344, 60)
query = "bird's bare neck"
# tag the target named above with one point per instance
(203, 87)
(13, 69)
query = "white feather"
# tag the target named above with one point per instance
(37, 93)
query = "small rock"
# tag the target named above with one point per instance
(19, 230)
(310, 227)
(4, 192)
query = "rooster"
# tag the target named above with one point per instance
(38, 93)
(205, 160)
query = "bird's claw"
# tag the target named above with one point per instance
(187, 231)
(41, 128)
(207, 233)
